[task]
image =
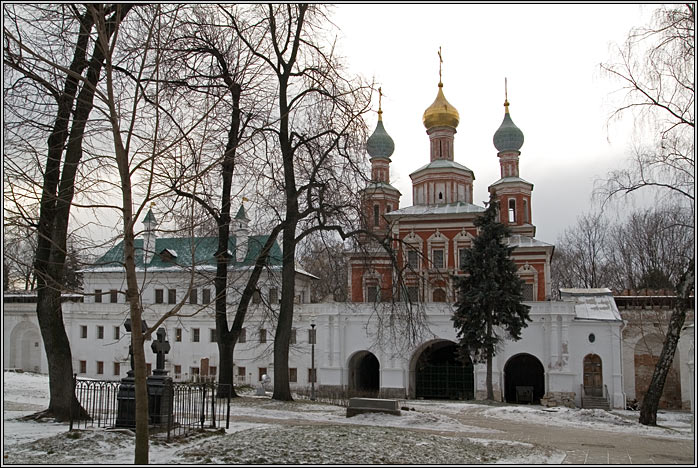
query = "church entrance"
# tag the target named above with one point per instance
(439, 374)
(593, 379)
(364, 374)
(524, 379)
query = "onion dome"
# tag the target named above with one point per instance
(379, 144)
(441, 113)
(508, 137)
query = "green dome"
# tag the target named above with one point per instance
(380, 145)
(508, 137)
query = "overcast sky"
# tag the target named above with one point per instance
(558, 97)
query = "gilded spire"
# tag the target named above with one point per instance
(441, 60)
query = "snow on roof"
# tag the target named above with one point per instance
(592, 303)
(517, 240)
(450, 208)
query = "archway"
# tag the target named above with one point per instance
(439, 373)
(25, 347)
(524, 379)
(593, 375)
(364, 374)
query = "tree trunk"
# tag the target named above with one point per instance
(53, 223)
(282, 338)
(650, 403)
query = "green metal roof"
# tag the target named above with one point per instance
(196, 251)
(149, 217)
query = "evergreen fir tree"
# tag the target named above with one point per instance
(490, 294)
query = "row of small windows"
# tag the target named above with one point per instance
(273, 296)
(194, 371)
(195, 334)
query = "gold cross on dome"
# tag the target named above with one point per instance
(441, 60)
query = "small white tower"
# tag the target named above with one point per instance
(241, 232)
(150, 224)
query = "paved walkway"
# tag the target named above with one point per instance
(589, 446)
(581, 445)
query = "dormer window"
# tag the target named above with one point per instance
(168, 255)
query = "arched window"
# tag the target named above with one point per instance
(376, 215)
(525, 211)
(512, 210)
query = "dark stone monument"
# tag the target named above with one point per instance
(160, 391)
(126, 397)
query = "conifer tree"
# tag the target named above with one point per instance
(489, 306)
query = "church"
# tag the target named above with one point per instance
(394, 336)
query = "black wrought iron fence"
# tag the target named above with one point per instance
(194, 406)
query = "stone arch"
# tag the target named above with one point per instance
(364, 374)
(437, 373)
(646, 354)
(526, 372)
(25, 347)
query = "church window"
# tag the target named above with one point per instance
(262, 335)
(193, 296)
(178, 334)
(312, 375)
(212, 335)
(117, 368)
(113, 296)
(206, 296)
(373, 293)
(171, 296)
(388, 208)
(256, 297)
(100, 332)
(525, 211)
(292, 374)
(83, 367)
(117, 333)
(441, 196)
(413, 259)
(98, 295)
(100, 367)
(376, 215)
(527, 290)
(159, 296)
(273, 296)
(461, 258)
(413, 293)
(83, 331)
(195, 333)
(437, 258)
(512, 210)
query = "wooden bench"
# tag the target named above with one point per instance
(372, 405)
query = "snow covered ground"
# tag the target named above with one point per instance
(264, 431)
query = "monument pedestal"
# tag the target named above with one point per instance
(126, 399)
(160, 398)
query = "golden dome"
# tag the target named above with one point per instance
(440, 113)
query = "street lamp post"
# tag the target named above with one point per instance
(312, 359)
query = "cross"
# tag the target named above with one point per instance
(440, 62)
(160, 347)
(506, 100)
(380, 96)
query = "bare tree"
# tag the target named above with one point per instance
(656, 67)
(311, 139)
(29, 33)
